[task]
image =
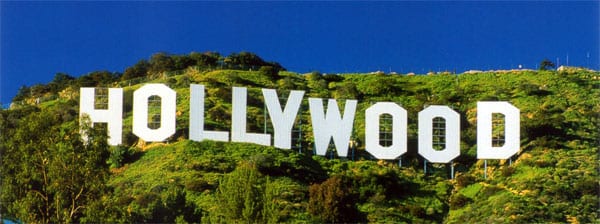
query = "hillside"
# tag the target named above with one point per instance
(50, 175)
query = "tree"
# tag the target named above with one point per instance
(246, 60)
(140, 69)
(161, 62)
(240, 195)
(60, 81)
(242, 60)
(97, 78)
(269, 71)
(23, 93)
(181, 62)
(39, 90)
(48, 173)
(316, 84)
(333, 201)
(209, 59)
(346, 90)
(245, 195)
(545, 64)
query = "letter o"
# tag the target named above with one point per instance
(167, 112)
(399, 123)
(452, 134)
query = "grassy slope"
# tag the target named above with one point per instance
(554, 177)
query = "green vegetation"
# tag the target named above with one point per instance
(50, 175)
(545, 64)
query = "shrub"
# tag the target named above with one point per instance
(269, 71)
(458, 200)
(118, 156)
(333, 201)
(464, 180)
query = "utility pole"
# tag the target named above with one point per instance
(588, 59)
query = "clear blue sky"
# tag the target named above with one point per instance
(39, 39)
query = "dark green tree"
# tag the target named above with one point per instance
(269, 71)
(23, 93)
(249, 61)
(240, 195)
(545, 64)
(182, 62)
(333, 201)
(60, 81)
(207, 59)
(97, 78)
(161, 62)
(244, 60)
(39, 90)
(140, 69)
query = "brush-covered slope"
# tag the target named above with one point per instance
(554, 177)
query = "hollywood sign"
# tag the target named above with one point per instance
(326, 125)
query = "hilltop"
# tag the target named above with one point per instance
(554, 177)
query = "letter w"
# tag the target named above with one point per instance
(331, 125)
